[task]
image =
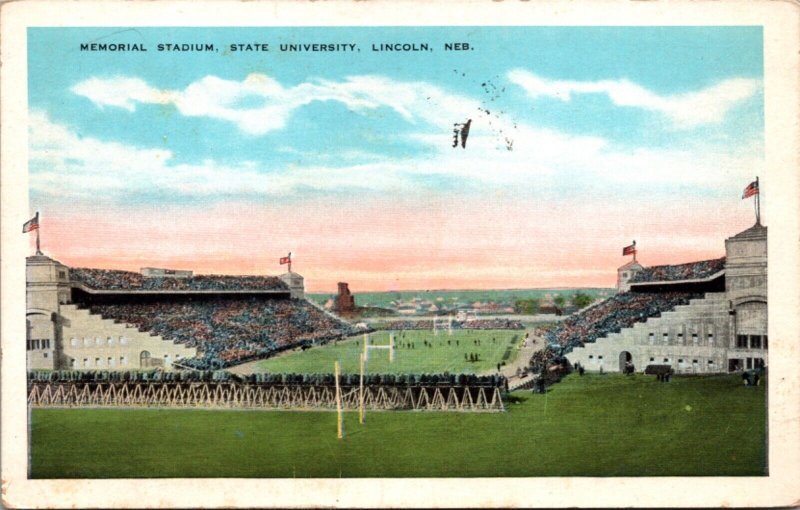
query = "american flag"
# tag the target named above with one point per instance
(750, 190)
(31, 225)
(629, 250)
(286, 260)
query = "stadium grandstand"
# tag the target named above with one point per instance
(706, 316)
(85, 318)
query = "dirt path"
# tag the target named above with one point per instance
(532, 344)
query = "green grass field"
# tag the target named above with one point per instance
(596, 425)
(442, 357)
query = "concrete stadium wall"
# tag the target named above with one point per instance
(693, 338)
(92, 342)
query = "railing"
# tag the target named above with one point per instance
(232, 395)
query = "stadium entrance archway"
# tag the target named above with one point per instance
(624, 358)
(144, 359)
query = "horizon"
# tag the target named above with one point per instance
(582, 139)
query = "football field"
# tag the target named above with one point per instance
(416, 351)
(596, 425)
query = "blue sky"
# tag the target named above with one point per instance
(560, 114)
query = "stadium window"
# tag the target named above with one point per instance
(711, 362)
(599, 357)
(694, 338)
(591, 356)
(765, 342)
(110, 361)
(680, 338)
(98, 341)
(35, 345)
(123, 341)
(74, 342)
(652, 359)
(680, 360)
(44, 355)
(72, 363)
(652, 338)
(46, 343)
(111, 340)
(711, 339)
(62, 275)
(749, 363)
(741, 341)
(755, 341)
(98, 362)
(123, 360)
(87, 341)
(85, 362)
(666, 338)
(666, 360)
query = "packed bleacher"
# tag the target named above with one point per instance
(111, 279)
(230, 331)
(677, 272)
(610, 316)
(482, 324)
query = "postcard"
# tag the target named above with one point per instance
(272, 254)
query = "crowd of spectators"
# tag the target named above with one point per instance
(610, 316)
(110, 279)
(482, 324)
(690, 271)
(229, 331)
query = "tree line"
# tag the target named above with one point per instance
(532, 306)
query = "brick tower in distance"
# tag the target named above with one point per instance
(344, 301)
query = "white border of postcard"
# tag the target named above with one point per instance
(781, 85)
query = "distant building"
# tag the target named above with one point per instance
(344, 300)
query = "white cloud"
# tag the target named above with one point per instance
(687, 110)
(65, 165)
(121, 92)
(259, 104)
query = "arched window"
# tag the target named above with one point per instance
(144, 359)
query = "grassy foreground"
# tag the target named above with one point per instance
(594, 425)
(446, 353)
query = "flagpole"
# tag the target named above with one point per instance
(38, 228)
(758, 202)
(634, 250)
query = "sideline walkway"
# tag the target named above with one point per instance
(534, 343)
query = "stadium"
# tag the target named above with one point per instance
(170, 359)
(700, 317)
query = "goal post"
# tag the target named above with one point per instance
(368, 347)
(339, 421)
(363, 358)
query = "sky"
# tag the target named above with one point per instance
(582, 139)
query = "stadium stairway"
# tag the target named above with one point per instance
(105, 340)
(710, 309)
